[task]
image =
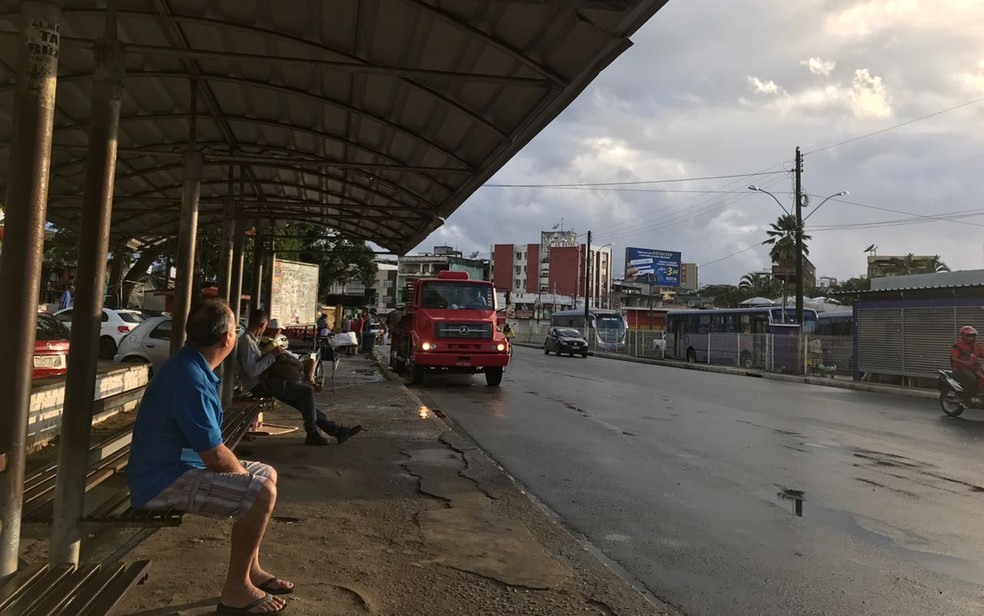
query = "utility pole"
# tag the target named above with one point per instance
(801, 349)
(587, 278)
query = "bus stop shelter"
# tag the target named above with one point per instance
(149, 119)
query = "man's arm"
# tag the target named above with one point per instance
(221, 460)
(252, 362)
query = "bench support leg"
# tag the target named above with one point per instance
(80, 384)
(20, 270)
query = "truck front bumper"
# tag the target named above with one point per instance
(466, 362)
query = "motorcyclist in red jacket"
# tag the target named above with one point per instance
(965, 358)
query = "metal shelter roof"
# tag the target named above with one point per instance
(377, 118)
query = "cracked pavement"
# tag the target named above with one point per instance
(407, 518)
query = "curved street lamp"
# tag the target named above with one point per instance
(757, 189)
(842, 193)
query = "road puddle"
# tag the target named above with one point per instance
(847, 522)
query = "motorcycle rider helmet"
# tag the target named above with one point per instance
(967, 330)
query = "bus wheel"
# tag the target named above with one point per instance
(746, 359)
(692, 356)
(493, 376)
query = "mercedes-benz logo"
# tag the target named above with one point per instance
(463, 330)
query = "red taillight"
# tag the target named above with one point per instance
(123, 329)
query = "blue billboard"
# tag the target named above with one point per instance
(657, 267)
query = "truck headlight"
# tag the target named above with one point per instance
(501, 346)
(427, 346)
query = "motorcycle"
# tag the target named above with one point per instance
(952, 395)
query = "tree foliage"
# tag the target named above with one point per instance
(782, 238)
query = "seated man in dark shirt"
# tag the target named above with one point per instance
(251, 364)
(178, 460)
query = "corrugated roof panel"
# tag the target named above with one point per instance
(449, 90)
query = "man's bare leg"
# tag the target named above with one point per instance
(256, 573)
(247, 534)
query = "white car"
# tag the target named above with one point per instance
(149, 343)
(116, 324)
(659, 345)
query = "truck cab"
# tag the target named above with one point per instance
(450, 326)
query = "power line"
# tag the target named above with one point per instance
(904, 213)
(630, 183)
(890, 128)
(734, 254)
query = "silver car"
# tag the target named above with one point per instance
(149, 343)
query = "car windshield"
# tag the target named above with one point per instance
(130, 317)
(50, 329)
(457, 295)
(568, 333)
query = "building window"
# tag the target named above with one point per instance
(519, 270)
(519, 256)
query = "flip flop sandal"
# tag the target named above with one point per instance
(266, 587)
(222, 608)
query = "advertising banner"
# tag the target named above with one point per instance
(656, 267)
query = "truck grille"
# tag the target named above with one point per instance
(463, 330)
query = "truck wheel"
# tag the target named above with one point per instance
(416, 372)
(493, 376)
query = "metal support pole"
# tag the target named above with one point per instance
(225, 258)
(80, 384)
(187, 236)
(256, 284)
(269, 256)
(235, 302)
(587, 278)
(20, 269)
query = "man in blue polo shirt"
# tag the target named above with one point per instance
(178, 460)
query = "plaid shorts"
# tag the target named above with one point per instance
(215, 495)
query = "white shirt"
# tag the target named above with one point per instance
(250, 363)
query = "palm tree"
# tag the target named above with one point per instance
(782, 237)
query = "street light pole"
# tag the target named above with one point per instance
(799, 241)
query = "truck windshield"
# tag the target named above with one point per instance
(456, 296)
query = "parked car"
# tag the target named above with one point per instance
(562, 340)
(50, 347)
(115, 325)
(149, 342)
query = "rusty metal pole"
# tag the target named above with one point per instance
(256, 288)
(80, 384)
(235, 302)
(225, 258)
(20, 270)
(188, 231)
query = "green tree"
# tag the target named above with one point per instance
(782, 238)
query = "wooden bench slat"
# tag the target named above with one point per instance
(113, 594)
(13, 587)
(59, 594)
(24, 597)
(93, 588)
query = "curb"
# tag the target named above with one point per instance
(926, 394)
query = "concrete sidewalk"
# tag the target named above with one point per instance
(406, 518)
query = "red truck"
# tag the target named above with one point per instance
(448, 326)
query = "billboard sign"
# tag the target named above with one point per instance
(295, 293)
(656, 267)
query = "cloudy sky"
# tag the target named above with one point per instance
(720, 88)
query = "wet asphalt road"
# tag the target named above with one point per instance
(684, 478)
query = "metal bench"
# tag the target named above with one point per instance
(67, 590)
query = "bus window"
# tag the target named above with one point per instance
(703, 324)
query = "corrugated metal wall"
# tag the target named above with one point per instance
(911, 341)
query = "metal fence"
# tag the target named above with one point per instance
(824, 355)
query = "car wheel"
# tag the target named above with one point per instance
(107, 347)
(584, 355)
(546, 351)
